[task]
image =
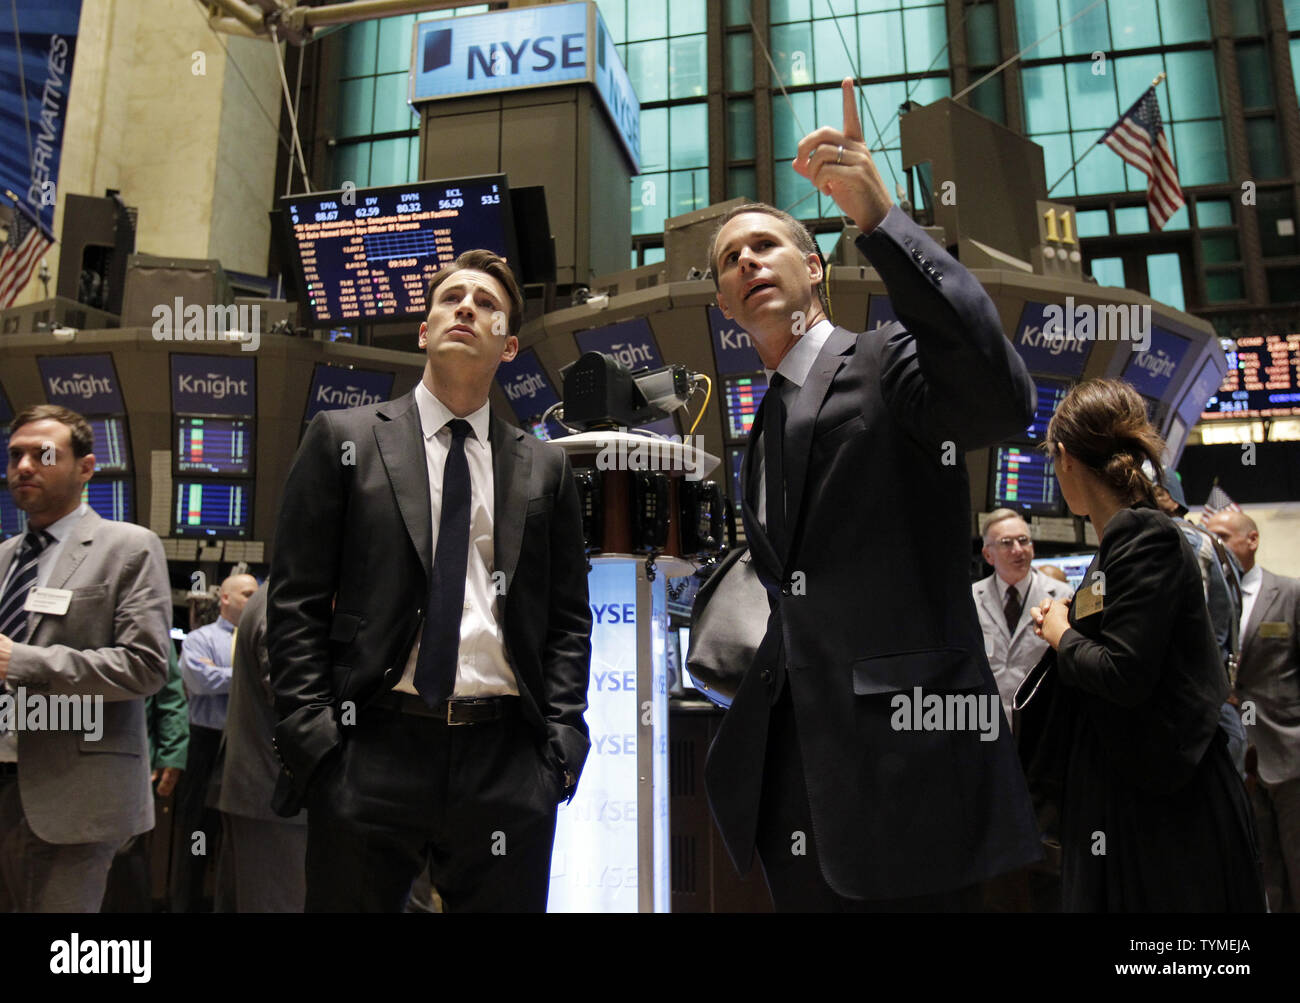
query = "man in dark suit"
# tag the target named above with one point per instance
(1268, 684)
(429, 629)
(856, 509)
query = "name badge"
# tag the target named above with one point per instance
(53, 601)
(1087, 602)
(1275, 629)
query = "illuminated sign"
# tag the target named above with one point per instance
(85, 383)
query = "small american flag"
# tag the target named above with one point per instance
(26, 245)
(1218, 501)
(1139, 137)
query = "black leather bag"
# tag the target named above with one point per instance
(728, 621)
(1046, 716)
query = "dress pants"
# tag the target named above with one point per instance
(794, 879)
(36, 876)
(262, 865)
(189, 869)
(1277, 822)
(474, 803)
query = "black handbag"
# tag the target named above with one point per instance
(728, 622)
(1046, 715)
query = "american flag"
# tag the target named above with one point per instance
(1218, 501)
(1139, 137)
(26, 244)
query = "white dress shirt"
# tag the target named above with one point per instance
(795, 367)
(1250, 583)
(482, 668)
(44, 568)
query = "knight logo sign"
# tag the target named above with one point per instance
(733, 349)
(540, 46)
(214, 385)
(1047, 347)
(526, 385)
(1152, 372)
(85, 383)
(336, 387)
(629, 342)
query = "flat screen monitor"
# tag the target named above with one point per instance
(218, 510)
(221, 446)
(112, 445)
(111, 498)
(1021, 478)
(13, 520)
(1050, 395)
(1263, 379)
(368, 255)
(743, 395)
(336, 387)
(735, 461)
(1075, 566)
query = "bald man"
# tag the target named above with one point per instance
(1268, 683)
(207, 657)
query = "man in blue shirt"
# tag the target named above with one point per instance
(206, 660)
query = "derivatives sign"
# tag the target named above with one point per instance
(523, 48)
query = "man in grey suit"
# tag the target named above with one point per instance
(1268, 683)
(263, 856)
(85, 608)
(1004, 600)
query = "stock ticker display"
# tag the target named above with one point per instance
(1263, 379)
(213, 509)
(214, 446)
(112, 454)
(743, 396)
(1022, 479)
(368, 254)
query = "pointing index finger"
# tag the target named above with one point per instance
(852, 122)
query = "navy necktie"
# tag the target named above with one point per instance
(1011, 609)
(435, 665)
(773, 463)
(13, 618)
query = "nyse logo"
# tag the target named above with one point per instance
(508, 58)
(80, 385)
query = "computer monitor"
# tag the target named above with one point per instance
(735, 461)
(1050, 395)
(112, 445)
(368, 255)
(221, 446)
(336, 387)
(111, 498)
(1021, 478)
(13, 520)
(743, 395)
(208, 509)
(1075, 566)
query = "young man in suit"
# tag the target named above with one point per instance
(1004, 599)
(857, 511)
(429, 629)
(85, 609)
(1268, 683)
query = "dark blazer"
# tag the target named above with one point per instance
(1269, 675)
(878, 518)
(1146, 659)
(349, 579)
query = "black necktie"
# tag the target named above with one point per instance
(435, 665)
(773, 464)
(1011, 609)
(13, 618)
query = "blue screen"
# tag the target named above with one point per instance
(214, 446)
(1050, 395)
(213, 509)
(111, 498)
(112, 448)
(12, 519)
(744, 394)
(1022, 479)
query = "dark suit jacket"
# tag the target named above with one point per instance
(1269, 676)
(878, 516)
(349, 579)
(1146, 661)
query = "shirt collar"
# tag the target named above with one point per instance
(434, 414)
(798, 362)
(1250, 581)
(225, 624)
(63, 527)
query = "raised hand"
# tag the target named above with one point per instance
(838, 162)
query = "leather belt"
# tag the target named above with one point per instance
(467, 710)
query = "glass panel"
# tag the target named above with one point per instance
(686, 70)
(926, 34)
(1100, 171)
(1056, 160)
(1184, 21)
(413, 161)
(1108, 271)
(1091, 97)
(1043, 87)
(388, 161)
(1132, 220)
(1223, 287)
(989, 100)
(653, 255)
(1265, 148)
(740, 62)
(880, 43)
(352, 163)
(1256, 75)
(647, 68)
(358, 42)
(1283, 285)
(1292, 8)
(791, 48)
(686, 17)
(1034, 19)
(929, 89)
(781, 11)
(742, 183)
(615, 14)
(395, 44)
(1277, 223)
(647, 19)
(740, 129)
(830, 38)
(356, 106)
(826, 242)
(1093, 223)
(1247, 17)
(1197, 93)
(649, 203)
(1180, 220)
(1131, 22)
(736, 12)
(1220, 248)
(392, 113)
(1165, 277)
(1088, 34)
(982, 35)
(654, 140)
(690, 191)
(1133, 75)
(790, 123)
(688, 131)
(1295, 63)
(1199, 153)
(1213, 212)
(792, 189)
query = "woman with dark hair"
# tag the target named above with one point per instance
(1153, 815)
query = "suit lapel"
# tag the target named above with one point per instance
(401, 445)
(803, 418)
(71, 554)
(989, 599)
(512, 468)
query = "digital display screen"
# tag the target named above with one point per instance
(112, 498)
(1075, 566)
(736, 461)
(1263, 379)
(1050, 395)
(13, 520)
(1022, 479)
(214, 446)
(743, 396)
(112, 448)
(213, 509)
(370, 253)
